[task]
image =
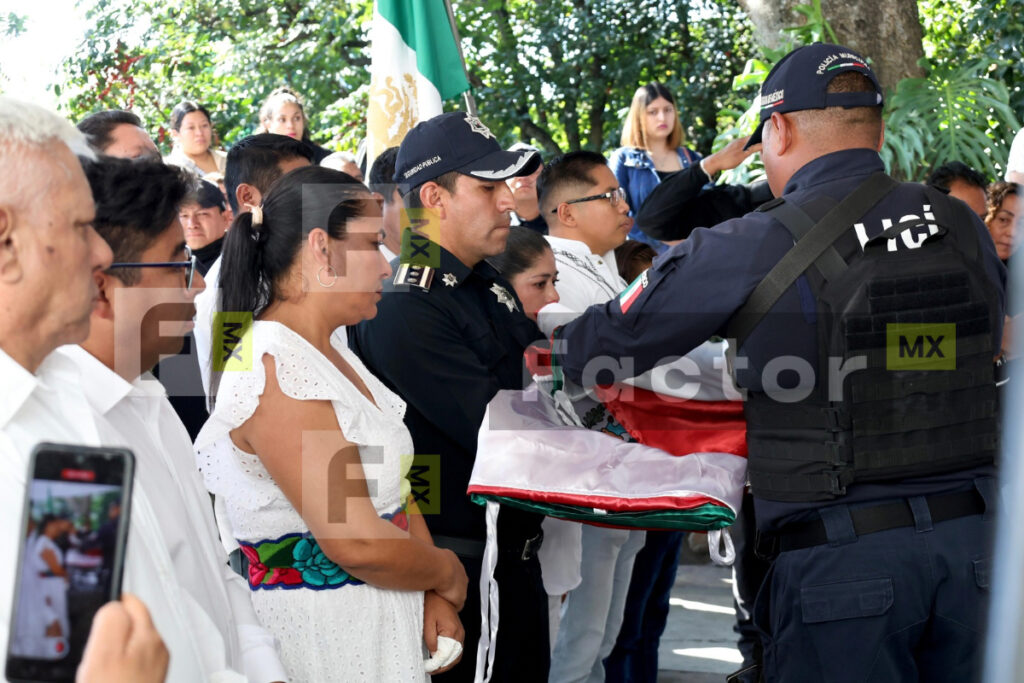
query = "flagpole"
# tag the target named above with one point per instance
(468, 95)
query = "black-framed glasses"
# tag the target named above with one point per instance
(189, 266)
(614, 196)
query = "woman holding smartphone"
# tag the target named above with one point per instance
(307, 452)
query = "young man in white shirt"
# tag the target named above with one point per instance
(175, 561)
(587, 217)
(49, 254)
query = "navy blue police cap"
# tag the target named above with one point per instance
(456, 141)
(800, 81)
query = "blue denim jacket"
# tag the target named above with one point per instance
(634, 169)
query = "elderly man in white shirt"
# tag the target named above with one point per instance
(587, 216)
(144, 311)
(49, 254)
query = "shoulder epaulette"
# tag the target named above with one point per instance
(416, 276)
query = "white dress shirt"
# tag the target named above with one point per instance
(31, 410)
(175, 562)
(207, 302)
(584, 279)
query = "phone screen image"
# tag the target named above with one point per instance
(70, 563)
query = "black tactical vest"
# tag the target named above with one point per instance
(905, 384)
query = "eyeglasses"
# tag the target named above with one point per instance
(614, 196)
(189, 266)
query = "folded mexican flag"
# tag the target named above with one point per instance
(527, 457)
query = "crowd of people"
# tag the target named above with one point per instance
(256, 328)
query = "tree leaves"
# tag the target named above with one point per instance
(955, 114)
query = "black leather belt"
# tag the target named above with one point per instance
(870, 520)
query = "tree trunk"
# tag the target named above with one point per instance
(887, 32)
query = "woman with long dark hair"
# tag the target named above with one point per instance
(193, 134)
(307, 451)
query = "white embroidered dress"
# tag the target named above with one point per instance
(345, 633)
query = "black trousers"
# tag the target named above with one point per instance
(523, 649)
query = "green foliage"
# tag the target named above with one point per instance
(955, 114)
(562, 74)
(989, 31)
(961, 111)
(12, 25)
(559, 73)
(147, 55)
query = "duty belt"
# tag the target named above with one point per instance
(870, 520)
(467, 547)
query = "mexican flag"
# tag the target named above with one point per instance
(415, 66)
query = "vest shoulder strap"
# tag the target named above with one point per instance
(808, 249)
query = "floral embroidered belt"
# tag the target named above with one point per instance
(297, 561)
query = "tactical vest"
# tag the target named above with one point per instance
(905, 384)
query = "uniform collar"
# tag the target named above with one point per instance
(842, 165)
(450, 265)
(19, 384)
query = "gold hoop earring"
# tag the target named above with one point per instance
(333, 274)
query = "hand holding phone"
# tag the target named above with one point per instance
(123, 646)
(74, 530)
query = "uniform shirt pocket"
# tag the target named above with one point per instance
(846, 600)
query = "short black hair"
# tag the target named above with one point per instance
(523, 248)
(446, 180)
(572, 168)
(135, 202)
(382, 173)
(254, 160)
(943, 176)
(98, 127)
(207, 196)
(187, 107)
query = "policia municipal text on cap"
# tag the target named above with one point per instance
(449, 333)
(867, 314)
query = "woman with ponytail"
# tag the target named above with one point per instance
(307, 452)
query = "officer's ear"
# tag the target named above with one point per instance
(881, 137)
(432, 197)
(781, 138)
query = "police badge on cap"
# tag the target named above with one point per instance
(459, 142)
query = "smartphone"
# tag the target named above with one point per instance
(74, 531)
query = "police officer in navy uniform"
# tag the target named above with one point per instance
(867, 315)
(449, 333)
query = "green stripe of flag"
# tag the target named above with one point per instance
(424, 27)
